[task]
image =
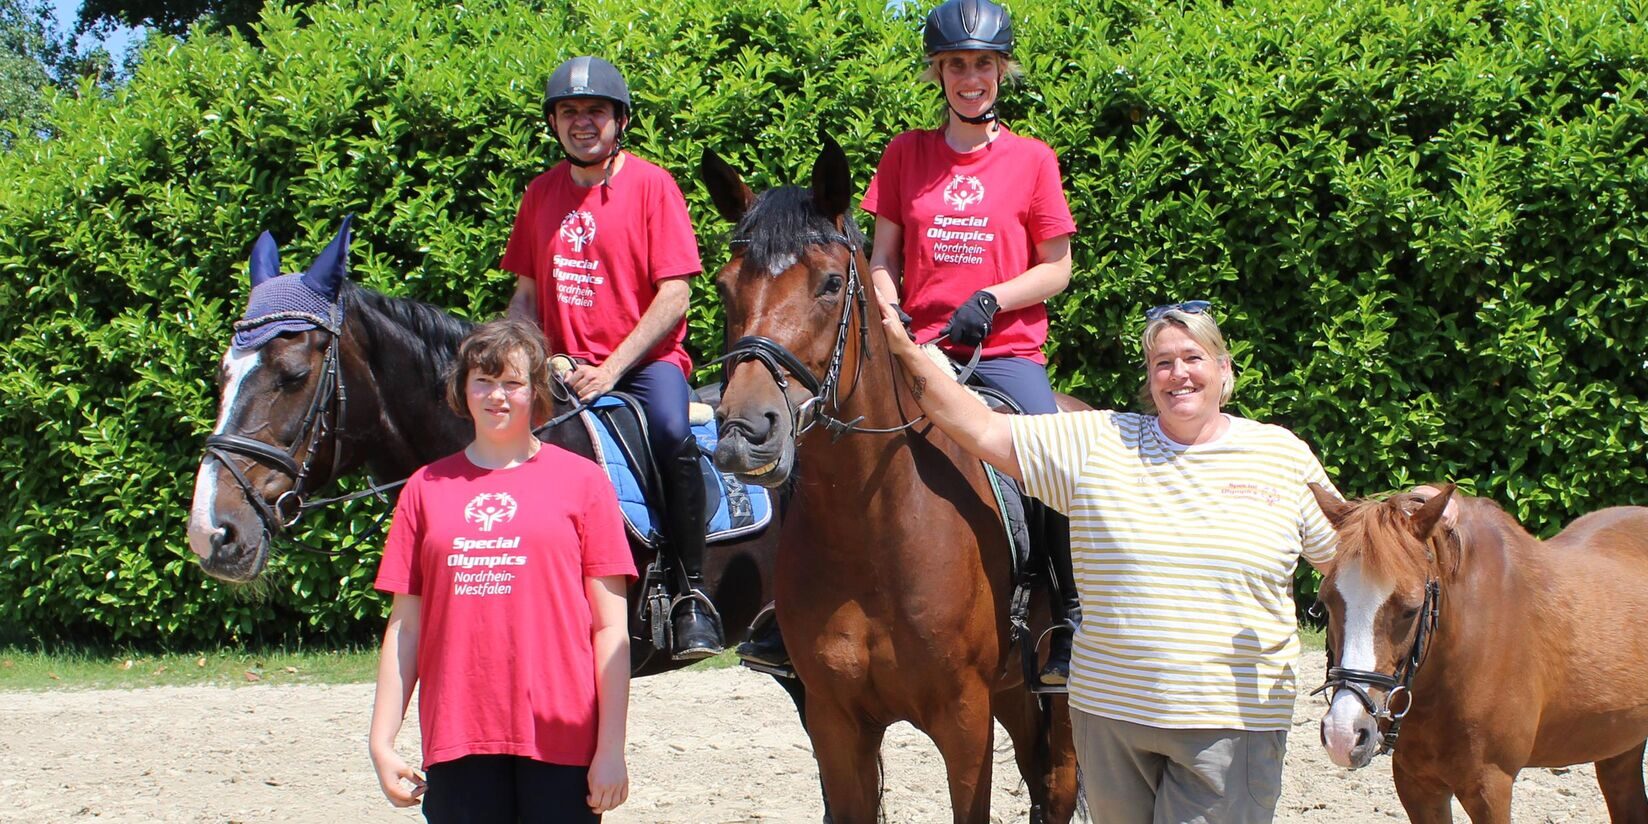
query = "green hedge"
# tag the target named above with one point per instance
(1424, 230)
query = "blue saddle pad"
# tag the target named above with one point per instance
(733, 509)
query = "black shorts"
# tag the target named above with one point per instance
(503, 789)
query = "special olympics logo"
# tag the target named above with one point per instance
(490, 509)
(578, 229)
(962, 191)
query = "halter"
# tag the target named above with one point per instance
(1398, 685)
(784, 365)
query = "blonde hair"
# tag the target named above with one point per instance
(1202, 329)
(1008, 73)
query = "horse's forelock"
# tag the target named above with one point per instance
(1377, 536)
(781, 225)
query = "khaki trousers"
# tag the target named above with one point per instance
(1136, 774)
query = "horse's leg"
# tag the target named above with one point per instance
(798, 695)
(963, 731)
(1621, 780)
(1486, 795)
(1425, 800)
(1044, 750)
(847, 751)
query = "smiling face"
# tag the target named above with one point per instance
(1186, 381)
(971, 80)
(586, 126)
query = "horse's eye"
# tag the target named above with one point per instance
(832, 285)
(288, 380)
(1408, 613)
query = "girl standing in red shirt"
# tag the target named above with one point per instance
(508, 564)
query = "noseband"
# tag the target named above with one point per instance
(1399, 685)
(325, 417)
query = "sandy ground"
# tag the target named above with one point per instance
(720, 746)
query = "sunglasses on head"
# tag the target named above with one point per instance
(1189, 307)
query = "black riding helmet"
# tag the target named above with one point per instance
(968, 25)
(588, 77)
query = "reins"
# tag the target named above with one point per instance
(326, 417)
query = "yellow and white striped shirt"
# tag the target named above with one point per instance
(1184, 559)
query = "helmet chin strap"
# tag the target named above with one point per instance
(607, 162)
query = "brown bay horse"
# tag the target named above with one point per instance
(1486, 650)
(358, 383)
(894, 573)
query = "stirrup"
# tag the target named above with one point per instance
(1041, 687)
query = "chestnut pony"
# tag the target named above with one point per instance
(894, 573)
(1475, 650)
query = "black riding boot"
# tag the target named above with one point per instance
(697, 631)
(1066, 607)
(765, 647)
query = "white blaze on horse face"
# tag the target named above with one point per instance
(1364, 597)
(238, 363)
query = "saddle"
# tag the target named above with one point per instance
(618, 429)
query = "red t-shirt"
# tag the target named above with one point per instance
(970, 221)
(506, 665)
(598, 253)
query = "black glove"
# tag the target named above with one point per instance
(970, 325)
(905, 318)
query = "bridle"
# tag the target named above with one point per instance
(824, 406)
(327, 412)
(1399, 685)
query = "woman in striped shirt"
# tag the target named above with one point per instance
(1186, 525)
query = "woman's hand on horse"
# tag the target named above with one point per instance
(608, 782)
(591, 382)
(898, 334)
(394, 776)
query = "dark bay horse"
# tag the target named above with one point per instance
(357, 382)
(895, 576)
(1487, 650)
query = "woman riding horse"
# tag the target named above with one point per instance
(972, 234)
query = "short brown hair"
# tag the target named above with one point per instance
(488, 349)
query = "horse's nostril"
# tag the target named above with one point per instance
(1322, 732)
(224, 536)
(1361, 737)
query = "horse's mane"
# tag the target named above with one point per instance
(426, 334)
(782, 223)
(1387, 547)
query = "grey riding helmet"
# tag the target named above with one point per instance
(968, 25)
(588, 77)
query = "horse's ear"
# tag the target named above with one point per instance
(727, 190)
(1335, 509)
(832, 180)
(331, 267)
(1426, 519)
(265, 262)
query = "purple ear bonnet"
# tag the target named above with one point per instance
(297, 302)
(280, 304)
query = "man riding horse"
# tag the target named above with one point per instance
(602, 250)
